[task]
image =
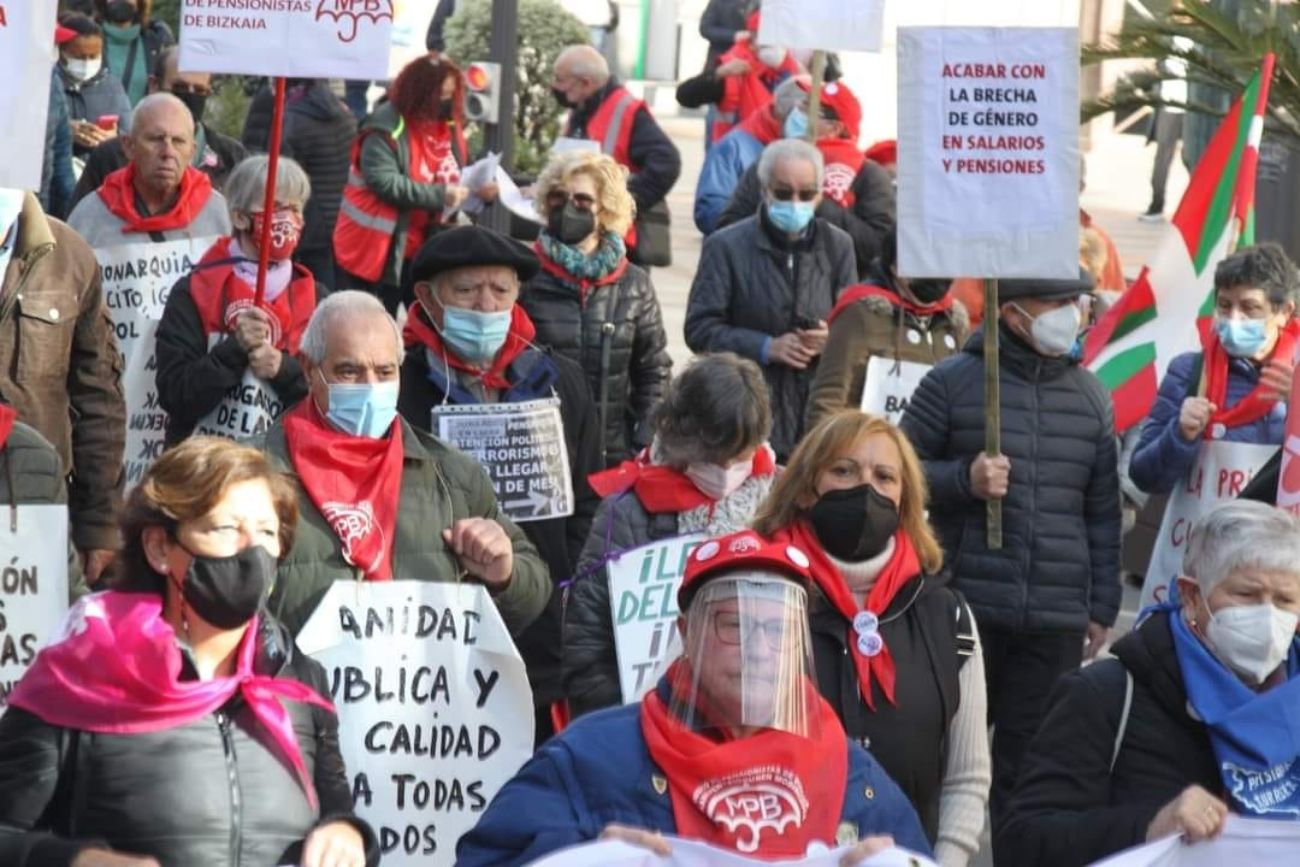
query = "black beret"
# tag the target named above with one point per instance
(465, 246)
(1032, 287)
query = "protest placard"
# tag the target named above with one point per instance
(643, 586)
(27, 57)
(1243, 841)
(137, 279)
(988, 156)
(434, 707)
(522, 447)
(889, 385)
(830, 25)
(33, 586)
(290, 38)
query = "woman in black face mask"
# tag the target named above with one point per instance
(174, 682)
(895, 649)
(879, 322)
(591, 304)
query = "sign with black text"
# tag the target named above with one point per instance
(888, 386)
(33, 586)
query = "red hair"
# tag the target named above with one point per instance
(416, 93)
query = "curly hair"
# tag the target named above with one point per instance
(617, 209)
(416, 93)
(1265, 266)
(716, 409)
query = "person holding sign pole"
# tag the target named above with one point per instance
(706, 472)
(895, 648)
(733, 747)
(1046, 599)
(171, 720)
(470, 344)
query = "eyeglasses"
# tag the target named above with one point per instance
(730, 628)
(785, 194)
(557, 199)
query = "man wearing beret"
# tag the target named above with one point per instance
(469, 344)
(1054, 583)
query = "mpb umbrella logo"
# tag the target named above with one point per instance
(348, 14)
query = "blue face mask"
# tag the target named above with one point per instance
(363, 409)
(796, 124)
(475, 336)
(1241, 338)
(790, 216)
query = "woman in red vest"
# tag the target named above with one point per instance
(404, 182)
(225, 365)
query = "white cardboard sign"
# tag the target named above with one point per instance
(889, 385)
(248, 408)
(27, 56)
(33, 585)
(988, 155)
(435, 712)
(291, 38)
(830, 25)
(643, 586)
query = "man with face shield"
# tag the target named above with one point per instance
(734, 747)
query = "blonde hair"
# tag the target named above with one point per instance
(822, 446)
(617, 209)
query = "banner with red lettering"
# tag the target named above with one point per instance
(988, 155)
(27, 58)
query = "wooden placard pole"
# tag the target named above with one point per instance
(815, 96)
(992, 405)
(268, 203)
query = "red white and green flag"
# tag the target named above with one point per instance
(1168, 310)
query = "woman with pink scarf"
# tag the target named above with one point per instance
(171, 721)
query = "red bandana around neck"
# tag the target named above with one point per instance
(843, 162)
(8, 415)
(118, 194)
(1254, 405)
(220, 295)
(419, 331)
(712, 783)
(852, 294)
(115, 668)
(355, 483)
(902, 567)
(662, 489)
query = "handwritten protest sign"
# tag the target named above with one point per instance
(247, 409)
(33, 586)
(294, 38)
(434, 707)
(521, 445)
(643, 586)
(889, 385)
(829, 25)
(137, 279)
(988, 159)
(26, 57)
(1243, 841)
(1220, 472)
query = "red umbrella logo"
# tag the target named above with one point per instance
(348, 14)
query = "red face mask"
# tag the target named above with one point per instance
(286, 229)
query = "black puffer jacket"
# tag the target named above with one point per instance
(213, 792)
(1069, 806)
(753, 285)
(1058, 567)
(615, 331)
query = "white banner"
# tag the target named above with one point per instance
(692, 853)
(434, 707)
(988, 155)
(1243, 842)
(27, 56)
(247, 409)
(33, 585)
(831, 25)
(137, 280)
(889, 385)
(292, 38)
(643, 586)
(1220, 472)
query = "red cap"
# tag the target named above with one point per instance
(64, 35)
(884, 152)
(837, 97)
(745, 550)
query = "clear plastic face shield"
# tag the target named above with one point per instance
(747, 657)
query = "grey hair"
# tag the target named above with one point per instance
(787, 96)
(1241, 534)
(584, 61)
(788, 149)
(715, 409)
(348, 304)
(153, 101)
(245, 189)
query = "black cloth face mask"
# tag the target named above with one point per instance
(120, 12)
(226, 591)
(854, 524)
(563, 98)
(197, 103)
(929, 291)
(447, 110)
(569, 225)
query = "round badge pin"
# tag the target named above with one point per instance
(864, 622)
(913, 336)
(870, 644)
(707, 551)
(796, 556)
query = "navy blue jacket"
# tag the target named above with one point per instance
(1163, 457)
(598, 771)
(724, 166)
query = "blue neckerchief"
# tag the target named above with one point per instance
(1255, 736)
(531, 375)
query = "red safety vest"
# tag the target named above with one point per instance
(611, 125)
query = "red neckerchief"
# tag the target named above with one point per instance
(420, 331)
(853, 294)
(902, 567)
(582, 284)
(114, 668)
(763, 126)
(1254, 405)
(355, 483)
(118, 194)
(664, 490)
(843, 162)
(8, 415)
(713, 783)
(220, 296)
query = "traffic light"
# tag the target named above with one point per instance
(483, 92)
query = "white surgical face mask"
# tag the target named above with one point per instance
(771, 55)
(717, 482)
(1252, 640)
(1053, 333)
(83, 70)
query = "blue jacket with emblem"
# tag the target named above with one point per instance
(599, 771)
(724, 166)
